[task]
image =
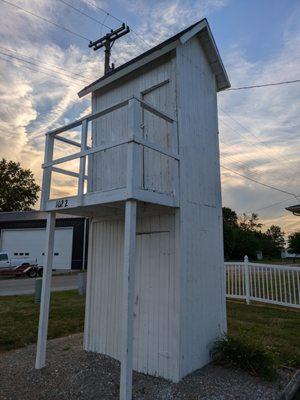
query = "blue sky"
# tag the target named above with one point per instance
(259, 42)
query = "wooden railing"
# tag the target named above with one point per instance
(274, 284)
(134, 138)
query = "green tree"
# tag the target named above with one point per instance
(250, 223)
(229, 224)
(18, 190)
(294, 243)
(277, 236)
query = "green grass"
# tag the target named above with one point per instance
(274, 326)
(19, 318)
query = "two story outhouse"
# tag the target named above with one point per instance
(146, 165)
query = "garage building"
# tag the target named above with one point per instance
(22, 234)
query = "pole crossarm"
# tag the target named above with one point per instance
(107, 41)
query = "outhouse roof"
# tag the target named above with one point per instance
(201, 29)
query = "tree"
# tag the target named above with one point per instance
(277, 235)
(250, 223)
(294, 243)
(229, 224)
(18, 190)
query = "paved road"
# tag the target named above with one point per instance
(11, 286)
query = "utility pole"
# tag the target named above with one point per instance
(107, 42)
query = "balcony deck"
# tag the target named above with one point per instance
(129, 167)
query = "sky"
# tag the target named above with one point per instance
(259, 42)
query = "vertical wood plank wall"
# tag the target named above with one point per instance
(109, 167)
(155, 344)
(202, 291)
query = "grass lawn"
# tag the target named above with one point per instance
(19, 317)
(275, 326)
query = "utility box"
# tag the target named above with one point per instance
(155, 292)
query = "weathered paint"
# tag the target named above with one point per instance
(179, 281)
(203, 314)
(155, 311)
(109, 168)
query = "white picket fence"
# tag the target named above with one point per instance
(275, 284)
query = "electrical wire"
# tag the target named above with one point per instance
(47, 20)
(43, 62)
(255, 136)
(41, 72)
(262, 85)
(37, 65)
(260, 183)
(83, 13)
(49, 69)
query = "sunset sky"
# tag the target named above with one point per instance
(259, 42)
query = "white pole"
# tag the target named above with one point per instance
(45, 297)
(84, 244)
(128, 299)
(247, 286)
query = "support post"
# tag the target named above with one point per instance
(45, 297)
(128, 300)
(247, 286)
(81, 178)
(48, 158)
(134, 150)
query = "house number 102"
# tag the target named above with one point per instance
(61, 203)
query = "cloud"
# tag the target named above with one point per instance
(260, 136)
(262, 141)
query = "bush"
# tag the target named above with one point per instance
(245, 353)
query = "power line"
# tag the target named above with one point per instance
(83, 13)
(255, 136)
(245, 165)
(47, 20)
(263, 85)
(273, 204)
(108, 14)
(43, 62)
(260, 183)
(104, 11)
(49, 69)
(37, 65)
(36, 70)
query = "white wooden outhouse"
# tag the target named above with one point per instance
(149, 179)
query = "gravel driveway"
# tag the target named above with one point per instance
(74, 374)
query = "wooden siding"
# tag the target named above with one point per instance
(203, 314)
(155, 342)
(108, 168)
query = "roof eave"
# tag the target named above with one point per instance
(202, 29)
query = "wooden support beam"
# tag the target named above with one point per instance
(82, 162)
(45, 297)
(128, 300)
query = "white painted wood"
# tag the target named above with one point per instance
(202, 294)
(82, 163)
(165, 152)
(40, 360)
(155, 255)
(46, 184)
(68, 141)
(127, 300)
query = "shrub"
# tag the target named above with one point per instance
(245, 353)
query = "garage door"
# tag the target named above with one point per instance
(31, 243)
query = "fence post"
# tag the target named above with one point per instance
(247, 286)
